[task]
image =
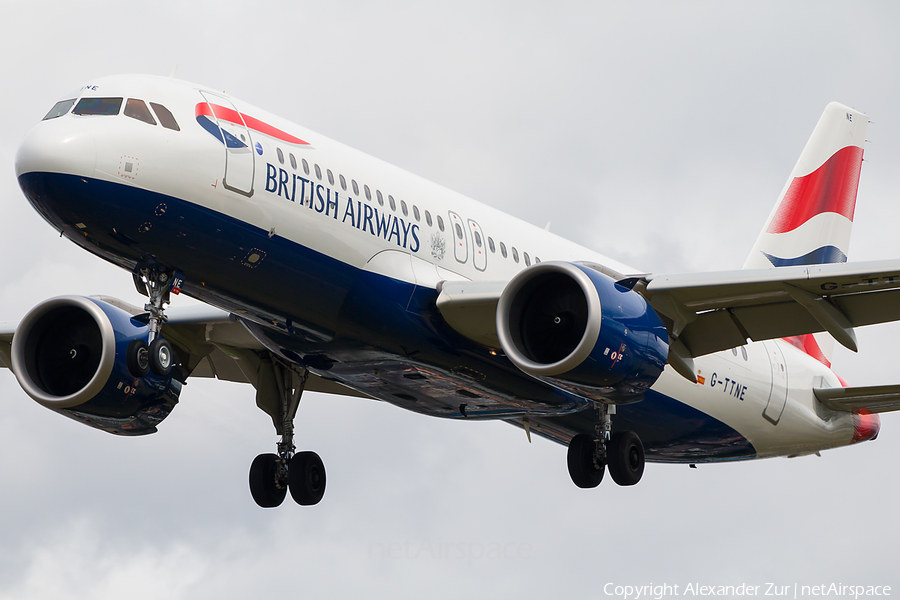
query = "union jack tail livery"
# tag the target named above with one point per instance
(812, 219)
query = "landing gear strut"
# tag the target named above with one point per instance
(156, 353)
(622, 452)
(272, 475)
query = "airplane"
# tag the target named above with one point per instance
(322, 268)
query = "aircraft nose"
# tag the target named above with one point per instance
(56, 147)
(865, 427)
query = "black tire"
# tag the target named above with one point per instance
(264, 481)
(162, 357)
(625, 458)
(584, 471)
(137, 358)
(306, 477)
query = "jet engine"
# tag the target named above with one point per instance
(69, 354)
(577, 328)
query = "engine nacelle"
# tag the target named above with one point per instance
(68, 354)
(575, 327)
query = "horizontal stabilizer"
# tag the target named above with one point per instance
(876, 399)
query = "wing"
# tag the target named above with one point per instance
(710, 312)
(209, 342)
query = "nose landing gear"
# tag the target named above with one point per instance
(156, 354)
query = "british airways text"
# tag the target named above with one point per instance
(356, 214)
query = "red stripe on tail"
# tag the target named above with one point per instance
(830, 188)
(807, 343)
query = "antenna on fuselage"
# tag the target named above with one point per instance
(174, 72)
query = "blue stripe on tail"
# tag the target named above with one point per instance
(820, 256)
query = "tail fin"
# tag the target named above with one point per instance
(812, 219)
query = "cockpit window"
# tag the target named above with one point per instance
(136, 109)
(165, 117)
(98, 106)
(59, 109)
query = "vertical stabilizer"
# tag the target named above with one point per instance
(812, 219)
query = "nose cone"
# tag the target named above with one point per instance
(865, 427)
(55, 146)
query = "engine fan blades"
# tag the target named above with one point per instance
(553, 319)
(70, 348)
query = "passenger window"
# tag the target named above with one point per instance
(98, 106)
(403, 208)
(330, 177)
(343, 182)
(368, 193)
(392, 202)
(515, 254)
(491, 245)
(280, 155)
(440, 223)
(428, 218)
(536, 260)
(136, 109)
(379, 197)
(527, 259)
(744, 352)
(166, 119)
(318, 172)
(355, 187)
(293, 161)
(305, 166)
(416, 212)
(59, 109)
(503, 249)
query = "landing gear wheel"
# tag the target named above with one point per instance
(161, 357)
(306, 478)
(625, 457)
(137, 358)
(584, 469)
(265, 487)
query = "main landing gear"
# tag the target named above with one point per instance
(156, 353)
(590, 455)
(272, 475)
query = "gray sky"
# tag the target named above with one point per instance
(657, 133)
